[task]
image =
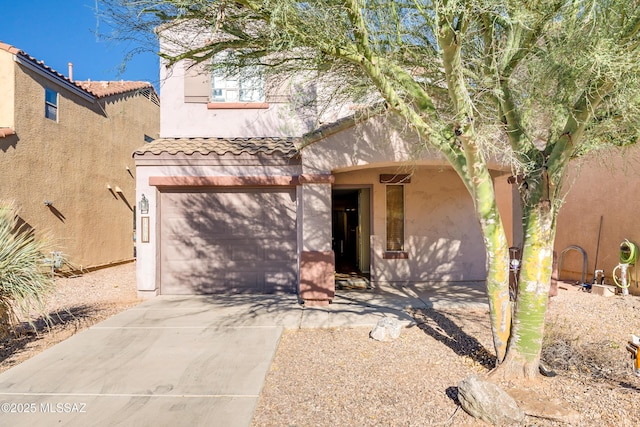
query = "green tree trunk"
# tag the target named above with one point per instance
(523, 353)
(495, 241)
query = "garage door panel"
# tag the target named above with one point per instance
(194, 249)
(212, 280)
(280, 281)
(246, 253)
(282, 250)
(231, 241)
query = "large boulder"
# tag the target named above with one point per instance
(488, 402)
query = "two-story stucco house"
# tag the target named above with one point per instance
(65, 156)
(247, 193)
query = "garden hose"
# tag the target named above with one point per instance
(615, 279)
(628, 253)
(628, 257)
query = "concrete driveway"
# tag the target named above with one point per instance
(186, 361)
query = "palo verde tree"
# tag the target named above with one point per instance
(537, 83)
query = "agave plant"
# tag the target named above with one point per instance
(24, 278)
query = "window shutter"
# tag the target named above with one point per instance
(197, 83)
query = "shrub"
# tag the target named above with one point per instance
(24, 277)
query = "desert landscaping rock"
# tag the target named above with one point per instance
(488, 402)
(387, 329)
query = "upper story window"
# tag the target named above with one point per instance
(51, 104)
(247, 87)
(223, 90)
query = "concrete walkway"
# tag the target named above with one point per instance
(188, 361)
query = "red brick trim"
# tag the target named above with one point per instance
(224, 181)
(395, 255)
(240, 181)
(317, 277)
(237, 106)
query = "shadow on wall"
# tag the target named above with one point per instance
(8, 142)
(443, 259)
(56, 212)
(448, 248)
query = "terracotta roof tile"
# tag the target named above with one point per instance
(97, 89)
(4, 132)
(11, 49)
(102, 89)
(220, 146)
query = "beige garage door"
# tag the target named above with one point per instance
(230, 241)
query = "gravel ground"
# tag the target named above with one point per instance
(340, 377)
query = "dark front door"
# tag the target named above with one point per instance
(345, 220)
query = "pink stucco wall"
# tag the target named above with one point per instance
(442, 237)
(180, 119)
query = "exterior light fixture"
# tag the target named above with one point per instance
(48, 203)
(144, 205)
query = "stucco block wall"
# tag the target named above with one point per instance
(442, 236)
(605, 185)
(71, 163)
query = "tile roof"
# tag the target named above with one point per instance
(102, 89)
(97, 89)
(4, 132)
(220, 146)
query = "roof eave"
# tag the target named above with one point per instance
(26, 62)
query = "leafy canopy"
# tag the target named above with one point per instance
(517, 75)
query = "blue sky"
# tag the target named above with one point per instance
(62, 31)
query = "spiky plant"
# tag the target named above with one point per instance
(24, 278)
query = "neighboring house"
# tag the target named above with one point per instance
(246, 196)
(65, 156)
(600, 212)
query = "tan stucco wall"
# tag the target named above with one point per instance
(442, 236)
(607, 186)
(71, 162)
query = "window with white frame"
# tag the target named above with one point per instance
(51, 104)
(245, 87)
